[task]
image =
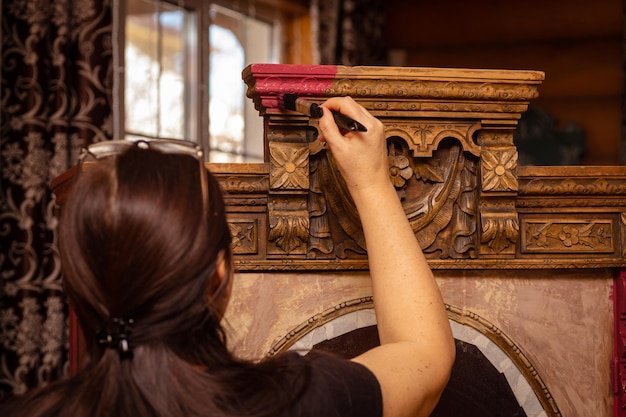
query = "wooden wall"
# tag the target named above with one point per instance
(578, 43)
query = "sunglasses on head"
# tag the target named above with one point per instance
(107, 148)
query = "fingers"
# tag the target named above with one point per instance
(360, 156)
(329, 131)
(347, 106)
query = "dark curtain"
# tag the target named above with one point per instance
(351, 32)
(56, 96)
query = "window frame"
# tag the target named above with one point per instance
(288, 16)
(196, 97)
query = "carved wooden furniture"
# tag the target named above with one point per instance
(451, 157)
(500, 237)
(454, 164)
(524, 255)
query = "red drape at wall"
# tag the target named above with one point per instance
(56, 85)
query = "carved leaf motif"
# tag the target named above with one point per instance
(289, 232)
(500, 233)
(539, 233)
(423, 132)
(429, 170)
(241, 233)
(583, 186)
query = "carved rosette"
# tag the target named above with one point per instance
(498, 169)
(289, 169)
(287, 207)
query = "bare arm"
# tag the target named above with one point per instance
(416, 354)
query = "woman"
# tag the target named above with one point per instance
(147, 268)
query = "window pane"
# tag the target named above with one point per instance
(172, 82)
(167, 81)
(226, 61)
(236, 40)
(155, 68)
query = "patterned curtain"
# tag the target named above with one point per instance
(56, 86)
(350, 32)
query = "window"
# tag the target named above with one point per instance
(235, 40)
(182, 75)
(158, 61)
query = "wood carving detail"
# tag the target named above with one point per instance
(448, 90)
(452, 160)
(244, 184)
(289, 169)
(423, 138)
(579, 186)
(432, 106)
(438, 195)
(390, 88)
(288, 225)
(244, 235)
(498, 169)
(567, 236)
(499, 226)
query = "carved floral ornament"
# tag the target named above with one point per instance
(399, 170)
(438, 195)
(498, 170)
(244, 236)
(554, 236)
(290, 166)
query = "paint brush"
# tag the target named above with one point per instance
(313, 110)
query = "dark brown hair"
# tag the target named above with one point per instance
(137, 245)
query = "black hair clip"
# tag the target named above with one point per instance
(115, 335)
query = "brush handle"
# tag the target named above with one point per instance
(313, 110)
(348, 123)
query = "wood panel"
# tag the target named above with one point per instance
(578, 44)
(584, 68)
(600, 119)
(459, 22)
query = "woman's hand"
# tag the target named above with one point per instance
(361, 156)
